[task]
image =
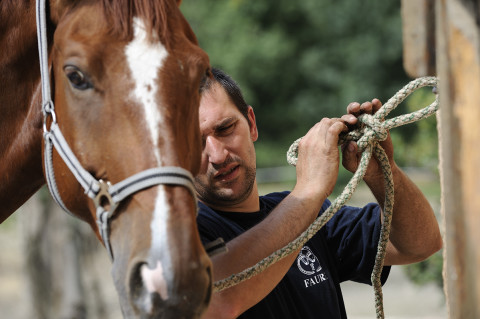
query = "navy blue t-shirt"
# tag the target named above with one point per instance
(344, 249)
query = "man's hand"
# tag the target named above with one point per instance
(318, 156)
(351, 157)
(414, 234)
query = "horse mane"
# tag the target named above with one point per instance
(120, 14)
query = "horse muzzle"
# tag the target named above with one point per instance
(155, 293)
(160, 267)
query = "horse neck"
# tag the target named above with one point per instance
(21, 120)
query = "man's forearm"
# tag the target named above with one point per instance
(285, 223)
(414, 233)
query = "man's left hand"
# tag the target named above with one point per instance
(351, 156)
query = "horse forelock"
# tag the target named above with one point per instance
(155, 14)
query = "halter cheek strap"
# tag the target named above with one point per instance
(102, 193)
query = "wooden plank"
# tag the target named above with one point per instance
(458, 38)
(418, 32)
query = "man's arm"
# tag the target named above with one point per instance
(281, 226)
(414, 234)
(317, 170)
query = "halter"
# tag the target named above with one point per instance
(102, 193)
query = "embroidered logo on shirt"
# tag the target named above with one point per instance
(309, 264)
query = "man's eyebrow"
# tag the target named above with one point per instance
(225, 122)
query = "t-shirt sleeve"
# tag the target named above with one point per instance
(212, 225)
(353, 234)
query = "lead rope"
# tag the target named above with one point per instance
(373, 129)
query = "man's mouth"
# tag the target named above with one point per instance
(227, 174)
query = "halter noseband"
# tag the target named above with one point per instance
(102, 193)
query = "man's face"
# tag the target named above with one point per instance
(227, 172)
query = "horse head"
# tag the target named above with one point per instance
(125, 78)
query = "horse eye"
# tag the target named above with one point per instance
(77, 78)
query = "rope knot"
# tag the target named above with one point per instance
(372, 129)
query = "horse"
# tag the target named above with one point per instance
(125, 78)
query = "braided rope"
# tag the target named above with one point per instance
(373, 128)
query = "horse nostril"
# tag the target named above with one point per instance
(154, 280)
(139, 294)
(136, 282)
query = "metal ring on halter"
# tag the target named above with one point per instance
(48, 110)
(104, 194)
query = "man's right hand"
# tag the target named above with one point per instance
(319, 158)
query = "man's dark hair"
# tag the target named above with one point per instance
(230, 86)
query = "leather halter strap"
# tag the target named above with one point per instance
(102, 193)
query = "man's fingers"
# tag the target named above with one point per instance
(376, 104)
(353, 108)
(349, 119)
(349, 158)
(358, 109)
(334, 131)
(366, 108)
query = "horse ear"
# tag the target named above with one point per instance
(179, 2)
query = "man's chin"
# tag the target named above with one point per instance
(225, 195)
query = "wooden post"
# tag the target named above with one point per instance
(457, 38)
(418, 17)
(458, 65)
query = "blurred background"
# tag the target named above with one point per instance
(296, 62)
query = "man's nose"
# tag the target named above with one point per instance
(216, 151)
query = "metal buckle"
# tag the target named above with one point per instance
(104, 198)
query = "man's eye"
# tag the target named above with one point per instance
(226, 129)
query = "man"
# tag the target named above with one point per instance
(304, 284)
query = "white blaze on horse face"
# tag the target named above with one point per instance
(145, 60)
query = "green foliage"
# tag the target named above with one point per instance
(429, 270)
(298, 62)
(416, 144)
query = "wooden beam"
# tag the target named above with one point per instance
(458, 65)
(418, 32)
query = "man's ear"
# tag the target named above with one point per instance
(252, 124)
